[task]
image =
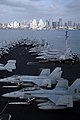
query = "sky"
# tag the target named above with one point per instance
(20, 10)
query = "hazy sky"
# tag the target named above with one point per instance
(20, 10)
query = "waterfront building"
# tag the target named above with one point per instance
(25, 24)
(47, 24)
(16, 24)
(0, 25)
(60, 23)
(33, 24)
(41, 24)
(54, 24)
(50, 23)
(69, 23)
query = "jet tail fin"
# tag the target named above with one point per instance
(75, 87)
(10, 65)
(56, 74)
(45, 72)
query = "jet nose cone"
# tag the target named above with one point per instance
(8, 95)
(11, 95)
(5, 95)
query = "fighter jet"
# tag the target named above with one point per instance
(62, 96)
(47, 99)
(49, 55)
(9, 66)
(45, 79)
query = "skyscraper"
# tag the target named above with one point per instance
(50, 23)
(33, 24)
(41, 24)
(69, 23)
(60, 23)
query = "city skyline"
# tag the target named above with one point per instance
(19, 10)
(41, 25)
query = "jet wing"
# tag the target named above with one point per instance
(42, 82)
(54, 98)
(62, 100)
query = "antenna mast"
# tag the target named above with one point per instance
(66, 38)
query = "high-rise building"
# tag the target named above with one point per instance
(0, 25)
(41, 24)
(51, 23)
(69, 23)
(60, 23)
(33, 24)
(16, 24)
(54, 24)
(47, 23)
